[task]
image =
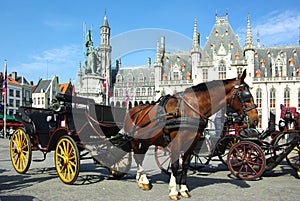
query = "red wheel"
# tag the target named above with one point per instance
(246, 160)
(162, 158)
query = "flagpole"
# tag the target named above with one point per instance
(4, 97)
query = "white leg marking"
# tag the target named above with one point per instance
(172, 185)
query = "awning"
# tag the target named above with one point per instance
(8, 118)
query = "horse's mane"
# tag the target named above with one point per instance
(205, 85)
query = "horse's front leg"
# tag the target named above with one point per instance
(184, 191)
(173, 193)
(140, 150)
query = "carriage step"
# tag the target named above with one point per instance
(41, 160)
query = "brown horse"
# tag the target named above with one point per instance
(177, 121)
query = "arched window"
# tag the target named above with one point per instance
(152, 77)
(205, 74)
(119, 78)
(258, 97)
(222, 70)
(278, 68)
(272, 98)
(121, 92)
(176, 75)
(116, 92)
(138, 92)
(129, 78)
(141, 77)
(286, 97)
(149, 91)
(143, 92)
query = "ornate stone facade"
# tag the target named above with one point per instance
(272, 72)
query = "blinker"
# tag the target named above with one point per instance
(246, 95)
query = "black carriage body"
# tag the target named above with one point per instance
(71, 127)
(86, 122)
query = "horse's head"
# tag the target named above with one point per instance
(242, 101)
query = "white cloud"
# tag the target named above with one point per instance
(275, 29)
(62, 62)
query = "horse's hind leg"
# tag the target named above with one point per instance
(140, 150)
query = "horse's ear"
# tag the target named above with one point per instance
(242, 77)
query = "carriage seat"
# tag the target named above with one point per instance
(41, 127)
(252, 133)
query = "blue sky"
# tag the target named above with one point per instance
(40, 39)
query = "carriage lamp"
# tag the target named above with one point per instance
(281, 125)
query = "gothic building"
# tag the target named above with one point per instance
(272, 72)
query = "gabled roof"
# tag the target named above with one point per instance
(22, 79)
(42, 86)
(10, 80)
(265, 57)
(222, 38)
(64, 87)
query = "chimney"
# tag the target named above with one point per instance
(149, 62)
(31, 83)
(14, 75)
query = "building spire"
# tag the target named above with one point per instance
(249, 41)
(196, 38)
(105, 21)
(158, 58)
(258, 39)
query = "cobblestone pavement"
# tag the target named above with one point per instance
(94, 183)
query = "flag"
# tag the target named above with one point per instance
(73, 90)
(4, 81)
(127, 98)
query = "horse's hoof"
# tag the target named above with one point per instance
(174, 197)
(185, 194)
(145, 187)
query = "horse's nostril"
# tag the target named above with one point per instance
(255, 122)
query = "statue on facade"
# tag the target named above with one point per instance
(91, 57)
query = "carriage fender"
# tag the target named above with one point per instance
(57, 134)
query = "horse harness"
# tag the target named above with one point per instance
(243, 97)
(170, 120)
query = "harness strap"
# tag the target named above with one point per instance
(191, 107)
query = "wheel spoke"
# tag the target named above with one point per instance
(61, 148)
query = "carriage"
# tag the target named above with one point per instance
(74, 128)
(251, 157)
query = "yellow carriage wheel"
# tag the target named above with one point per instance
(293, 158)
(121, 168)
(224, 146)
(20, 151)
(67, 160)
